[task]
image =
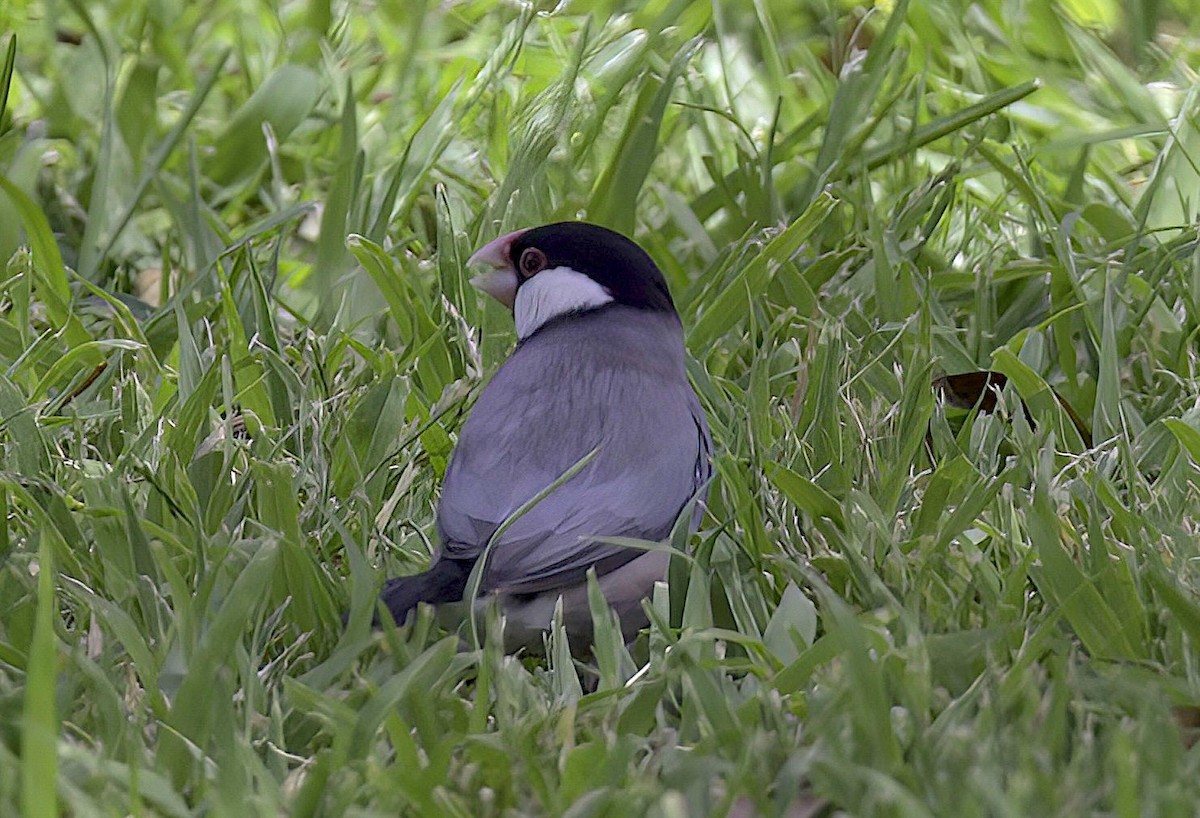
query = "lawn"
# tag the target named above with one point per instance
(236, 343)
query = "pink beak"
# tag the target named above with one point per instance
(500, 282)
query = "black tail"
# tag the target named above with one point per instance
(445, 581)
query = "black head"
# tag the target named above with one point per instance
(610, 259)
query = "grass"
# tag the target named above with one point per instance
(237, 342)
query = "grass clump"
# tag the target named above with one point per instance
(237, 343)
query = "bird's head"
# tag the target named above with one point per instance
(543, 272)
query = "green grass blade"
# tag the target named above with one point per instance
(40, 724)
(6, 75)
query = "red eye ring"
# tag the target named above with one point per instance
(533, 261)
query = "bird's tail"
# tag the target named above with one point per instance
(445, 581)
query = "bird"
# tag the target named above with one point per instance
(597, 382)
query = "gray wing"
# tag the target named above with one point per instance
(543, 412)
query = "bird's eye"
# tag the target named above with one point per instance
(533, 261)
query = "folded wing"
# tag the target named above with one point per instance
(651, 457)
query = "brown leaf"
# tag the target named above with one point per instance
(1187, 719)
(967, 390)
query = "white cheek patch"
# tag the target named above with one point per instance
(552, 293)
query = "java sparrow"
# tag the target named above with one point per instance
(599, 365)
